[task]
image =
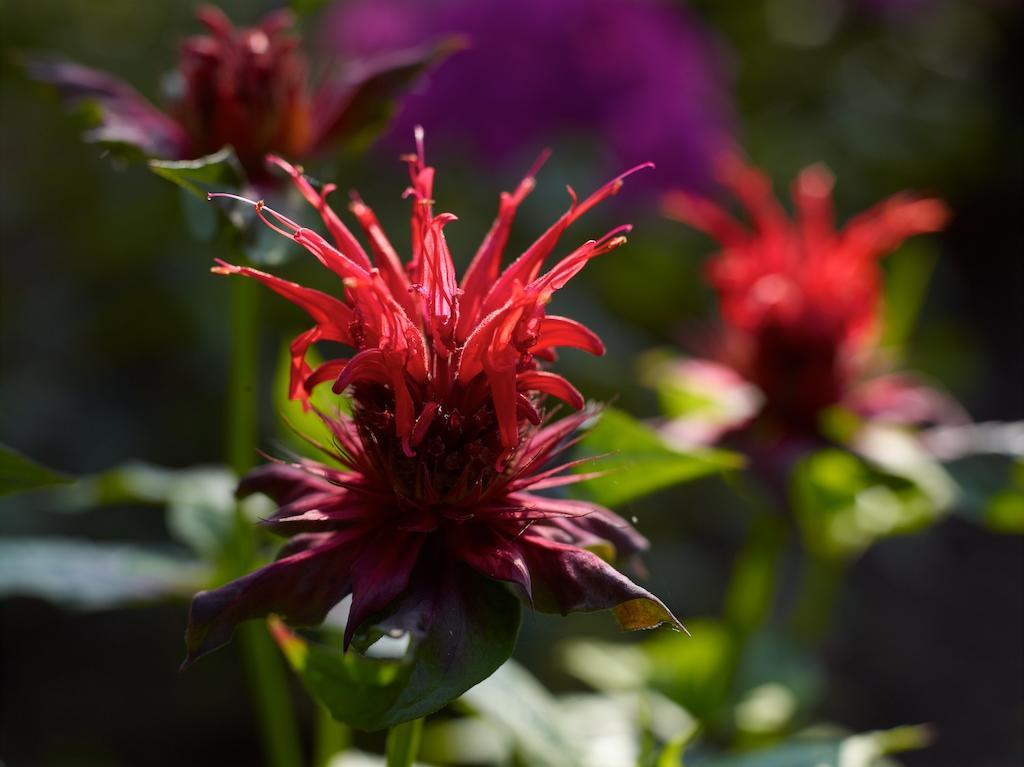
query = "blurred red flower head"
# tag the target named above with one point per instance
(241, 87)
(244, 87)
(799, 298)
(448, 441)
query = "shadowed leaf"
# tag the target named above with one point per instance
(473, 632)
(88, 575)
(18, 473)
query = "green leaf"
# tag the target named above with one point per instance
(474, 631)
(217, 172)
(693, 671)
(637, 462)
(908, 273)
(403, 743)
(900, 452)
(777, 680)
(199, 500)
(299, 422)
(864, 750)
(466, 740)
(303, 8)
(672, 754)
(18, 473)
(606, 666)
(843, 504)
(87, 575)
(699, 390)
(991, 491)
(516, 702)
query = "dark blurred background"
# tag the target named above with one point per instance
(113, 344)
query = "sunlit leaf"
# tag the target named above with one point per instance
(516, 702)
(466, 740)
(199, 500)
(88, 575)
(606, 666)
(355, 758)
(864, 750)
(217, 172)
(300, 425)
(693, 671)
(636, 462)
(18, 473)
(672, 754)
(843, 504)
(908, 273)
(403, 743)
(776, 681)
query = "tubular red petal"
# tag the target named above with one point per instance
(553, 384)
(328, 371)
(486, 264)
(704, 215)
(423, 421)
(524, 269)
(884, 227)
(555, 331)
(387, 259)
(367, 365)
(812, 195)
(332, 316)
(505, 399)
(348, 245)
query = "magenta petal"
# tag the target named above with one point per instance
(902, 399)
(582, 521)
(380, 574)
(568, 579)
(301, 587)
(283, 482)
(497, 556)
(125, 116)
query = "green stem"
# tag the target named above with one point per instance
(243, 375)
(403, 743)
(752, 591)
(330, 736)
(268, 683)
(270, 695)
(821, 580)
(750, 597)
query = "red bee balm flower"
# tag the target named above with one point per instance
(239, 87)
(800, 299)
(447, 445)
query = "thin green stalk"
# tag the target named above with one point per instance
(403, 743)
(820, 582)
(270, 695)
(752, 591)
(243, 375)
(330, 737)
(263, 667)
